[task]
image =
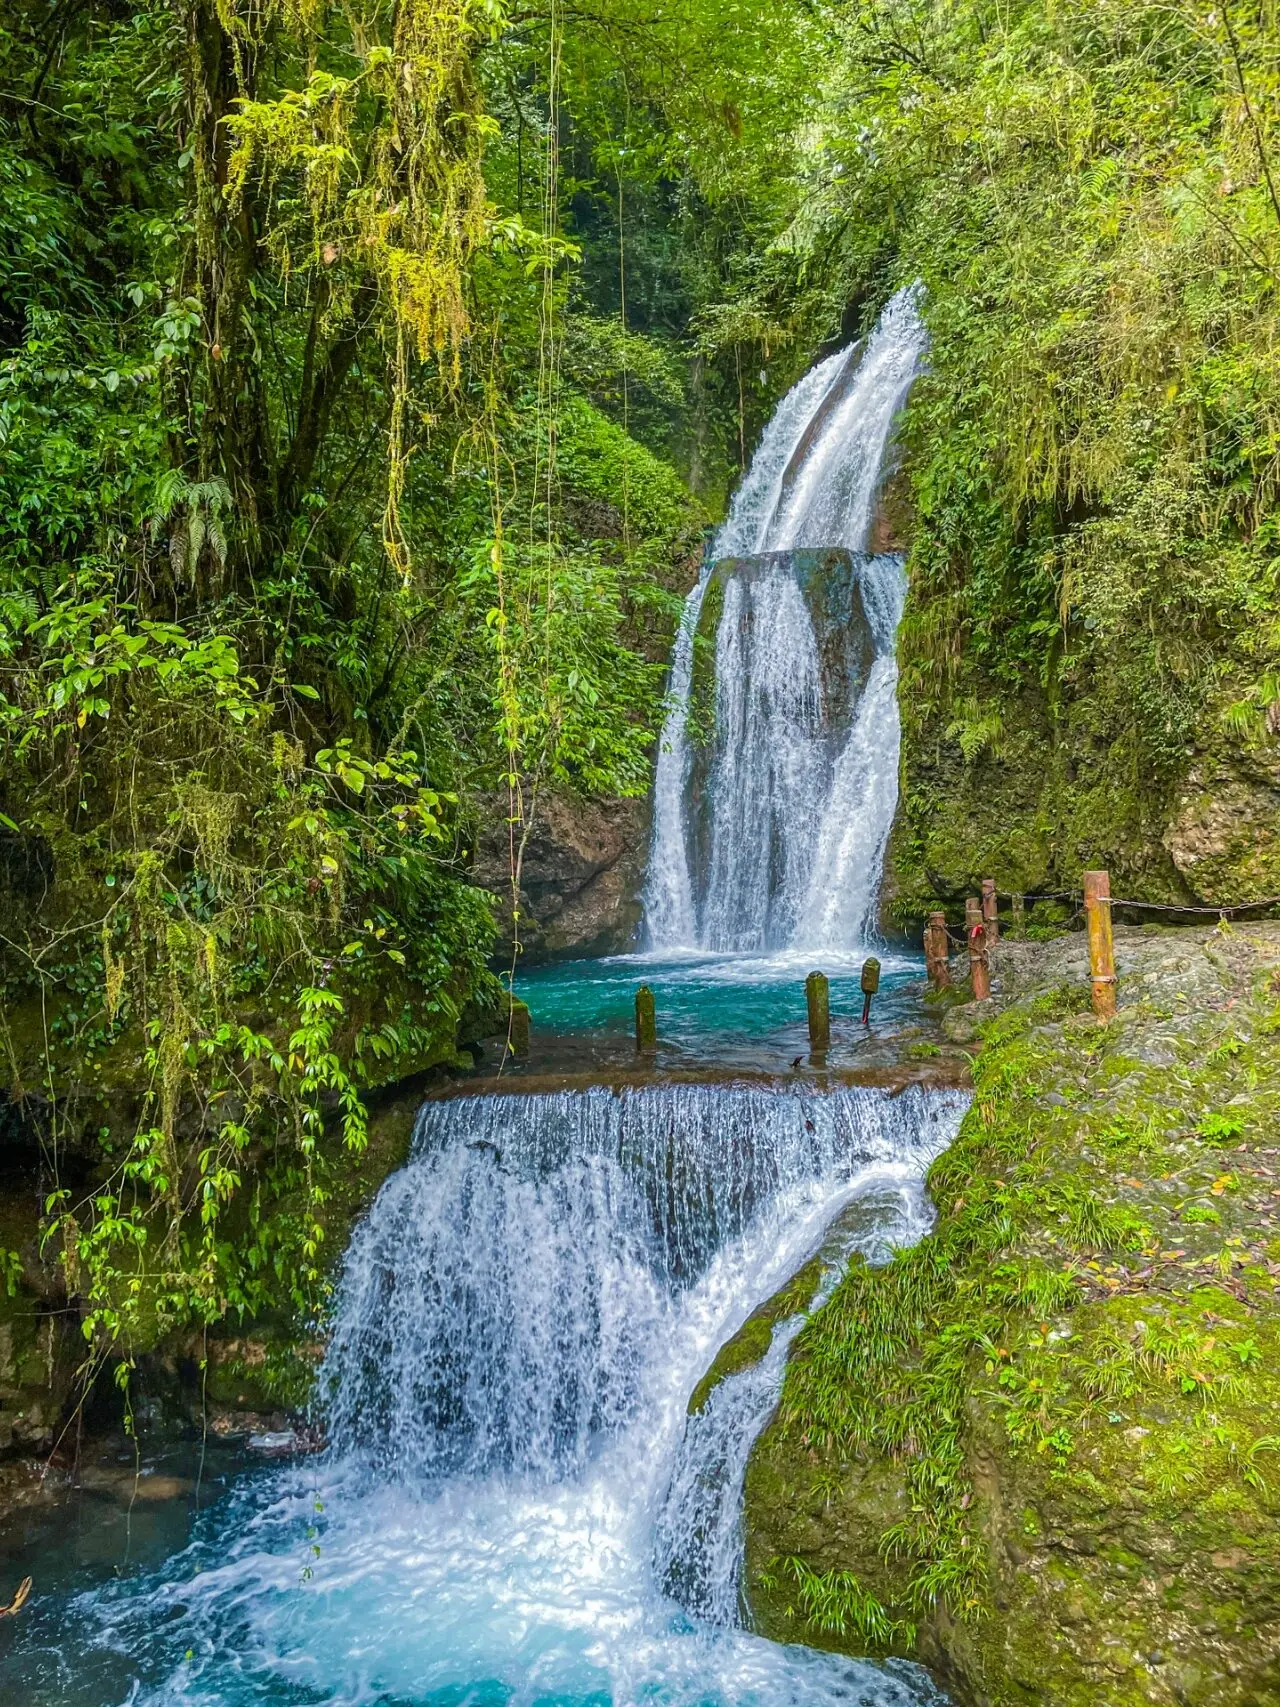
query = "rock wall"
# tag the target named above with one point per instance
(581, 877)
(1032, 773)
(1223, 835)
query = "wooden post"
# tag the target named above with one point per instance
(518, 1033)
(870, 984)
(975, 931)
(818, 1000)
(1102, 956)
(990, 911)
(937, 957)
(646, 1021)
(1019, 926)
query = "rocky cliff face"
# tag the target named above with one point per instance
(1038, 1451)
(581, 878)
(1031, 760)
(1223, 835)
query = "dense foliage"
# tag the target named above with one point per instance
(366, 377)
(1091, 657)
(345, 372)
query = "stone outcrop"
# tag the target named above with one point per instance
(892, 516)
(581, 876)
(1223, 837)
(1038, 1453)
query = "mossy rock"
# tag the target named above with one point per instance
(1040, 1452)
(753, 1339)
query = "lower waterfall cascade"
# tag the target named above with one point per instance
(513, 1507)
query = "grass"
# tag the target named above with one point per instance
(1079, 1316)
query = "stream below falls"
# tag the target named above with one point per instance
(513, 1507)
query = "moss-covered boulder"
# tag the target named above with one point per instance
(1041, 1450)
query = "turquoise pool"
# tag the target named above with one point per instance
(740, 1011)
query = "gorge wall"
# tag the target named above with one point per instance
(581, 874)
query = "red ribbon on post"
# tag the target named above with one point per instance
(979, 967)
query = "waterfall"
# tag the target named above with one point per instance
(669, 913)
(514, 1507)
(770, 740)
(797, 807)
(522, 1317)
(504, 1302)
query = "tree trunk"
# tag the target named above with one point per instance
(228, 431)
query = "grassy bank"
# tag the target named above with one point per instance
(1041, 1450)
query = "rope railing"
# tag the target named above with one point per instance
(1097, 904)
(1219, 911)
(1187, 907)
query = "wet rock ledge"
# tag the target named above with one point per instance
(1041, 1451)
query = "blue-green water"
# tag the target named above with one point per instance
(737, 1011)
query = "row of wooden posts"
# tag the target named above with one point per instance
(982, 933)
(817, 997)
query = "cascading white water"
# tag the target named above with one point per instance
(770, 758)
(506, 1502)
(668, 902)
(798, 826)
(526, 1309)
(670, 917)
(504, 1301)
(698, 1551)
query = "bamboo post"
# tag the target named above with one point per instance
(646, 1021)
(518, 1033)
(975, 931)
(818, 1000)
(990, 911)
(1102, 956)
(937, 958)
(1018, 928)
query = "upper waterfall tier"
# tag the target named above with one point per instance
(784, 792)
(777, 777)
(814, 479)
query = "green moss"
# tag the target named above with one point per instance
(1066, 1372)
(701, 725)
(597, 459)
(753, 1339)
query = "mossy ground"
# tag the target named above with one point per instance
(1041, 1450)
